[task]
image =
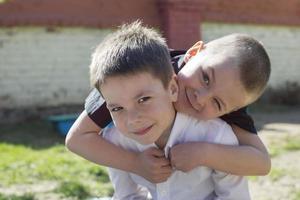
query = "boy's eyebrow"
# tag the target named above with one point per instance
(110, 105)
(142, 93)
(214, 81)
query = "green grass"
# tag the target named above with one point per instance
(296, 195)
(73, 189)
(33, 152)
(28, 196)
(292, 144)
(286, 144)
(277, 173)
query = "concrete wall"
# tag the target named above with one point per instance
(281, 42)
(45, 67)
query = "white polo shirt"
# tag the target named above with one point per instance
(201, 183)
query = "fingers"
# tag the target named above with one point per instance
(166, 170)
(156, 152)
(163, 174)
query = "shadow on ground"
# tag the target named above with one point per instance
(37, 134)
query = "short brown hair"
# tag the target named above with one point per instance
(131, 49)
(252, 60)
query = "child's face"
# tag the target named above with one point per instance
(209, 86)
(141, 108)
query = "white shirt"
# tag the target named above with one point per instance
(201, 183)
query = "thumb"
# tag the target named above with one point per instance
(156, 152)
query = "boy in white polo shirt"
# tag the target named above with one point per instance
(133, 72)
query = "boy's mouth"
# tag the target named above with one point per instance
(143, 131)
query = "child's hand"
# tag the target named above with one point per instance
(186, 156)
(153, 165)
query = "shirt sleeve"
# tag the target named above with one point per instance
(241, 119)
(125, 188)
(229, 186)
(95, 107)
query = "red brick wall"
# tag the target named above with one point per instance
(179, 19)
(183, 32)
(92, 13)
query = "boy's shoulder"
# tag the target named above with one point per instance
(214, 130)
(112, 134)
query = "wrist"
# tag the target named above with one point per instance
(203, 153)
(134, 166)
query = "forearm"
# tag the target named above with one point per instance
(96, 149)
(238, 160)
(83, 139)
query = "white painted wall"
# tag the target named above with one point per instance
(42, 68)
(281, 42)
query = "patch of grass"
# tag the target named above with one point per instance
(252, 178)
(28, 196)
(73, 189)
(34, 152)
(277, 173)
(296, 195)
(292, 144)
(100, 173)
(284, 145)
(275, 151)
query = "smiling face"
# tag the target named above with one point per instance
(141, 107)
(210, 86)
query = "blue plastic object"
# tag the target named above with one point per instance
(63, 123)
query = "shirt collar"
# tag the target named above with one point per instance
(180, 124)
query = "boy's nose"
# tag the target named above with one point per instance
(202, 96)
(133, 117)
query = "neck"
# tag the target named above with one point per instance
(163, 139)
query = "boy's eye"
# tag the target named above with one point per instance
(116, 109)
(143, 99)
(218, 105)
(205, 78)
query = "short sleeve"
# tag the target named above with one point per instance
(241, 119)
(95, 107)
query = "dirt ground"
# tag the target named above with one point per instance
(284, 180)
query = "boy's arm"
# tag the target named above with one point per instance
(228, 186)
(83, 139)
(249, 159)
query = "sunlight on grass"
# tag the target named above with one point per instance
(252, 178)
(15, 197)
(292, 144)
(287, 143)
(73, 189)
(21, 164)
(277, 173)
(296, 195)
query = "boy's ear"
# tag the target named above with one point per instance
(173, 88)
(191, 52)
